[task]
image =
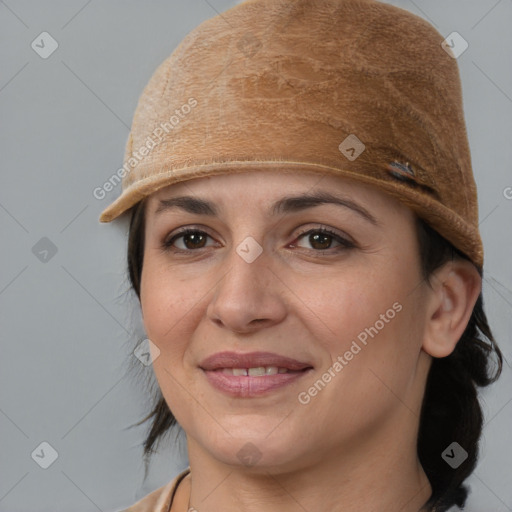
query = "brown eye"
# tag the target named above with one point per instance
(321, 239)
(192, 239)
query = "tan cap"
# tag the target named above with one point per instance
(354, 88)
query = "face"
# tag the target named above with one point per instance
(325, 294)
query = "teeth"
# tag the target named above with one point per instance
(256, 372)
(260, 371)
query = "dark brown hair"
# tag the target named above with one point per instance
(450, 410)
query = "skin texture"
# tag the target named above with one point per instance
(352, 447)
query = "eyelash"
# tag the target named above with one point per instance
(167, 245)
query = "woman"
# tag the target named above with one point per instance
(304, 245)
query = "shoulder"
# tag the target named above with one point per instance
(160, 499)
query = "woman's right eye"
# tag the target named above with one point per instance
(190, 239)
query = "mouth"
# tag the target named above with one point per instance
(258, 371)
(253, 374)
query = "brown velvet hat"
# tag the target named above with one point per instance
(354, 88)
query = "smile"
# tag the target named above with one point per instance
(260, 371)
(253, 374)
(253, 382)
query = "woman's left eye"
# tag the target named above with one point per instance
(320, 239)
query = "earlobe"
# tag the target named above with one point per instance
(455, 288)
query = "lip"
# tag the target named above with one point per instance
(251, 360)
(248, 386)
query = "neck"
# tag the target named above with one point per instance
(382, 475)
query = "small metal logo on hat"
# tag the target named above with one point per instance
(415, 178)
(402, 172)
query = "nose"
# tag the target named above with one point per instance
(249, 296)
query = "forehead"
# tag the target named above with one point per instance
(267, 186)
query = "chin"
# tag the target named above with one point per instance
(254, 449)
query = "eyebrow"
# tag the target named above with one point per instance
(287, 204)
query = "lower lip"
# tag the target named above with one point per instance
(246, 387)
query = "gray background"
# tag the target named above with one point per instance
(68, 324)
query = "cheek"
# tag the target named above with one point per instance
(345, 305)
(166, 302)
(169, 305)
(372, 319)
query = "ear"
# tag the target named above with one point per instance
(454, 290)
